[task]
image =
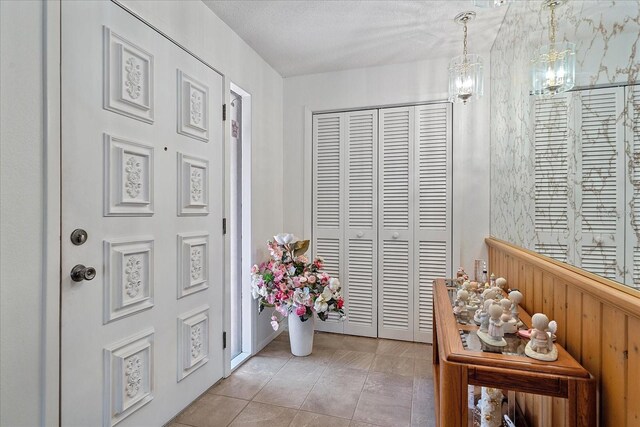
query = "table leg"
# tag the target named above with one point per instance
(453, 395)
(582, 403)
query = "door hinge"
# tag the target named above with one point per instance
(224, 340)
(224, 225)
(224, 112)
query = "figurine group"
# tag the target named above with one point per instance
(498, 316)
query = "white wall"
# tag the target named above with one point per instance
(22, 207)
(391, 85)
(21, 212)
(195, 26)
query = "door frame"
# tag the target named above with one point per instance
(51, 348)
(249, 318)
(52, 218)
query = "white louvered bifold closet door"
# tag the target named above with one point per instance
(396, 217)
(553, 221)
(432, 226)
(601, 195)
(360, 262)
(328, 195)
(632, 131)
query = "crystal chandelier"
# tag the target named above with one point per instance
(465, 71)
(554, 65)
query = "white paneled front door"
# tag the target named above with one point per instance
(142, 174)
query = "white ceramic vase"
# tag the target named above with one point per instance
(301, 335)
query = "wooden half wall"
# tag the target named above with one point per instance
(598, 324)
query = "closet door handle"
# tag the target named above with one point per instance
(395, 235)
(360, 234)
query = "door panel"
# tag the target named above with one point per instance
(361, 222)
(328, 195)
(396, 218)
(432, 226)
(142, 173)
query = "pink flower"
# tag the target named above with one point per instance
(274, 323)
(312, 279)
(301, 310)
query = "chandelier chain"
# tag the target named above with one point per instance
(464, 51)
(552, 26)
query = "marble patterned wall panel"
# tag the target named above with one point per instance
(606, 34)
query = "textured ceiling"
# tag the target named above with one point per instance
(304, 37)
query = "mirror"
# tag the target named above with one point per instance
(565, 169)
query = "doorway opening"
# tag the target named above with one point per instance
(242, 327)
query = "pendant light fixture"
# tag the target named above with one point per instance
(554, 65)
(465, 71)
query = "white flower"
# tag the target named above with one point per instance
(334, 284)
(285, 238)
(326, 294)
(320, 306)
(274, 323)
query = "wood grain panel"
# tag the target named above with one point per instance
(559, 309)
(633, 371)
(574, 322)
(598, 324)
(613, 379)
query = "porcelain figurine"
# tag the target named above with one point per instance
(541, 346)
(474, 301)
(490, 405)
(501, 283)
(516, 298)
(495, 334)
(506, 317)
(483, 317)
(460, 303)
(490, 294)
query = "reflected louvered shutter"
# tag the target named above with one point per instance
(553, 223)
(395, 266)
(600, 198)
(433, 223)
(632, 131)
(360, 284)
(328, 137)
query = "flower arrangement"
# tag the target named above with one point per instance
(291, 284)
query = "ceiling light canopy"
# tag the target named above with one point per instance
(465, 71)
(490, 3)
(553, 67)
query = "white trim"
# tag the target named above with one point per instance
(50, 368)
(249, 317)
(308, 175)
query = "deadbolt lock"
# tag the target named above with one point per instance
(78, 236)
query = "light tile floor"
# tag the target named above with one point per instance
(346, 381)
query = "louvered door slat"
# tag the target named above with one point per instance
(395, 168)
(601, 174)
(396, 285)
(551, 170)
(360, 285)
(632, 225)
(396, 220)
(328, 199)
(432, 230)
(327, 145)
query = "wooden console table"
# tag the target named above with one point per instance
(455, 366)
